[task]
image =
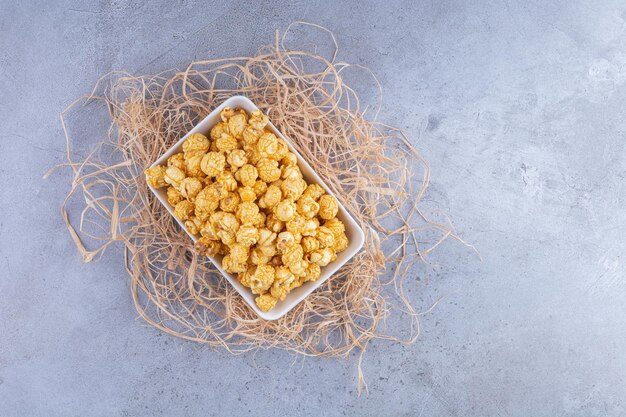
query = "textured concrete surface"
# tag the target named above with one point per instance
(518, 106)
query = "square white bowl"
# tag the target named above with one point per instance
(354, 232)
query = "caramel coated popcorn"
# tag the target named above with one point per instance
(241, 191)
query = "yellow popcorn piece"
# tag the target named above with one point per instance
(310, 227)
(285, 211)
(298, 268)
(341, 243)
(247, 175)
(292, 255)
(258, 120)
(227, 180)
(190, 187)
(193, 164)
(258, 257)
(265, 302)
(208, 247)
(315, 191)
(307, 207)
(312, 272)
(322, 257)
(213, 163)
(328, 207)
(247, 235)
(282, 151)
(310, 244)
(271, 198)
(177, 160)
(196, 143)
(227, 113)
(174, 176)
(244, 277)
(284, 240)
(262, 279)
(325, 237)
(237, 124)
(336, 226)
(193, 225)
(282, 282)
(174, 196)
(248, 213)
(207, 201)
(289, 160)
(267, 146)
(230, 265)
(184, 210)
(291, 171)
(230, 202)
(251, 135)
(237, 158)
(247, 194)
(260, 187)
(218, 130)
(268, 170)
(239, 253)
(293, 188)
(156, 176)
(226, 143)
(274, 224)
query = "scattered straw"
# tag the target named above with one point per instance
(373, 169)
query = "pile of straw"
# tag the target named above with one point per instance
(372, 168)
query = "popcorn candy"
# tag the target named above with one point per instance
(208, 247)
(247, 175)
(248, 213)
(196, 142)
(328, 207)
(226, 143)
(247, 235)
(177, 160)
(325, 237)
(193, 164)
(213, 163)
(307, 207)
(262, 279)
(230, 202)
(285, 211)
(283, 279)
(293, 188)
(268, 169)
(190, 187)
(267, 145)
(247, 194)
(156, 176)
(237, 158)
(315, 191)
(184, 210)
(322, 257)
(193, 225)
(174, 176)
(272, 196)
(335, 226)
(226, 180)
(173, 195)
(289, 160)
(265, 302)
(310, 244)
(243, 194)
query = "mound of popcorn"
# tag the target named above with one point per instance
(242, 192)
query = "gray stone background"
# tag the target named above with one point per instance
(518, 107)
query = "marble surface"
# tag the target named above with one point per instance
(518, 107)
